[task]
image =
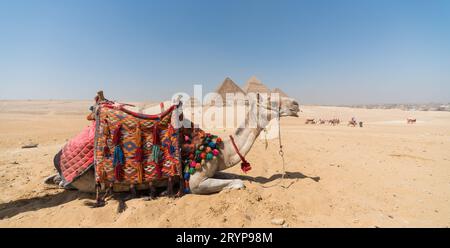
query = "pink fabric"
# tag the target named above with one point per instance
(78, 154)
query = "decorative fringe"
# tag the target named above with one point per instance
(140, 172)
(116, 135)
(106, 151)
(155, 153)
(106, 131)
(138, 156)
(158, 170)
(156, 139)
(171, 130)
(106, 134)
(118, 172)
(118, 160)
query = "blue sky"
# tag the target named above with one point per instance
(329, 52)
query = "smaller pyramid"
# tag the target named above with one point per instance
(254, 85)
(280, 92)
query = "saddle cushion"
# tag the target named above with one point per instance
(77, 155)
(159, 158)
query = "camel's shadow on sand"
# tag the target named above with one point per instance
(10, 209)
(264, 180)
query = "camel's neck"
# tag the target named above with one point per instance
(244, 138)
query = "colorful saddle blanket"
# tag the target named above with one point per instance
(132, 148)
(77, 156)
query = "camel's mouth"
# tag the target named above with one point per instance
(291, 112)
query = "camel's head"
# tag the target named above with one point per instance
(272, 106)
(289, 107)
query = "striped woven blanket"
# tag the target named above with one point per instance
(132, 148)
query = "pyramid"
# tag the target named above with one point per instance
(228, 86)
(254, 85)
(279, 91)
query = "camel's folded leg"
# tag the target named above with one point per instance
(213, 185)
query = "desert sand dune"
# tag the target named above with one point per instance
(386, 174)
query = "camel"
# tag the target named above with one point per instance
(410, 121)
(352, 123)
(310, 121)
(334, 121)
(203, 182)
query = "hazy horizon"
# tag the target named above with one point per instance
(319, 52)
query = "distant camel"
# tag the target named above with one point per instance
(322, 121)
(334, 121)
(310, 121)
(352, 123)
(410, 121)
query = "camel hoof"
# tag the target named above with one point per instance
(53, 179)
(96, 204)
(178, 195)
(165, 193)
(121, 207)
(148, 198)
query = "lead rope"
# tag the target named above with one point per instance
(281, 153)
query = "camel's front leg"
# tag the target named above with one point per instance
(213, 185)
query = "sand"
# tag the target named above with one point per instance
(386, 174)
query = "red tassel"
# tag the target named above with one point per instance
(245, 166)
(116, 135)
(117, 172)
(156, 140)
(106, 151)
(171, 130)
(138, 156)
(106, 129)
(158, 170)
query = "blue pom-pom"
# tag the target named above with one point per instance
(187, 175)
(212, 144)
(187, 191)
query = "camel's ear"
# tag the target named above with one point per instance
(100, 95)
